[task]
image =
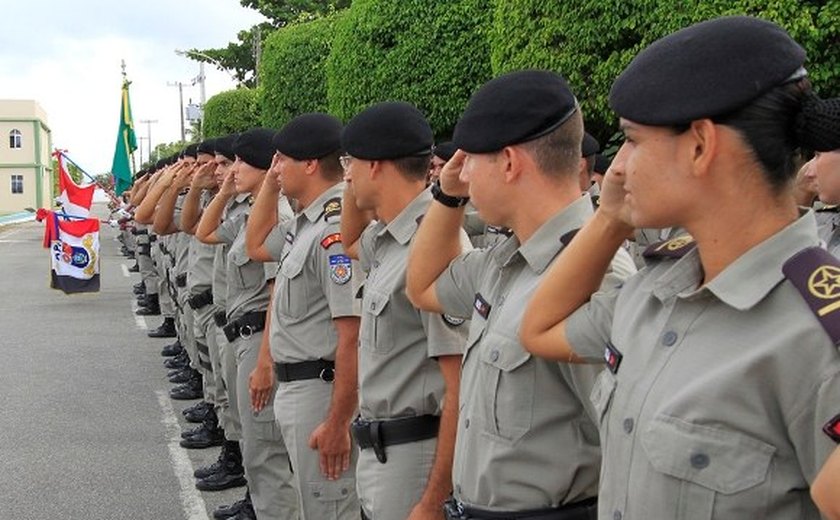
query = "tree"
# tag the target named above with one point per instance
(162, 151)
(238, 57)
(231, 111)
(284, 12)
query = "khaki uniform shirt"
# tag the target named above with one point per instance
(828, 227)
(398, 373)
(720, 392)
(247, 280)
(234, 206)
(313, 284)
(525, 440)
(201, 258)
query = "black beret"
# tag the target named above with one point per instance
(254, 147)
(705, 70)
(514, 108)
(309, 136)
(590, 145)
(190, 151)
(224, 146)
(602, 163)
(389, 130)
(161, 164)
(207, 146)
(445, 150)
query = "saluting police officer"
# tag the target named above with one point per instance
(526, 446)
(409, 360)
(249, 285)
(720, 397)
(825, 170)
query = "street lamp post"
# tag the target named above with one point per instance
(201, 79)
(149, 123)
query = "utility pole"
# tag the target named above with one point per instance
(180, 86)
(140, 140)
(148, 123)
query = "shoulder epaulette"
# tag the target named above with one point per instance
(672, 248)
(332, 208)
(816, 275)
(828, 209)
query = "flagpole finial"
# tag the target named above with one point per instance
(122, 65)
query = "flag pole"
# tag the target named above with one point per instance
(86, 174)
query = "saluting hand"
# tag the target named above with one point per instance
(204, 177)
(228, 187)
(451, 181)
(333, 445)
(613, 200)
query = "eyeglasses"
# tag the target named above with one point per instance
(345, 161)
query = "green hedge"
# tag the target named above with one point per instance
(293, 79)
(433, 54)
(231, 111)
(593, 42)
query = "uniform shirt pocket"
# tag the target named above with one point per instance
(240, 261)
(509, 382)
(294, 293)
(378, 333)
(719, 472)
(602, 394)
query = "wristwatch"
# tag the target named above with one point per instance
(447, 200)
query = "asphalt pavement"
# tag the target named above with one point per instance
(87, 430)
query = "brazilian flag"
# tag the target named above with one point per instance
(126, 145)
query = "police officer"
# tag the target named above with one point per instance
(409, 360)
(264, 454)
(720, 394)
(825, 170)
(519, 452)
(314, 324)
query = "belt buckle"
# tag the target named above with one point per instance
(246, 331)
(327, 374)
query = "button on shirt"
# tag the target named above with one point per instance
(728, 386)
(525, 440)
(312, 286)
(398, 373)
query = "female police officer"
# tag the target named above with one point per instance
(720, 397)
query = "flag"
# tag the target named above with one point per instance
(126, 144)
(74, 199)
(74, 252)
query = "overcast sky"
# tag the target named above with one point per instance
(66, 56)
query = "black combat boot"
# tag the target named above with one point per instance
(206, 436)
(223, 512)
(178, 362)
(151, 307)
(166, 329)
(172, 350)
(190, 390)
(231, 474)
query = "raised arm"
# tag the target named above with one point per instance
(438, 240)
(164, 223)
(191, 211)
(575, 276)
(825, 488)
(263, 217)
(146, 211)
(353, 222)
(212, 217)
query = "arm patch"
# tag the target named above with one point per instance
(330, 240)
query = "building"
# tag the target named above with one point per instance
(25, 156)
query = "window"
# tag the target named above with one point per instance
(17, 183)
(15, 139)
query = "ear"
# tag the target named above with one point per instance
(310, 166)
(375, 169)
(704, 139)
(513, 160)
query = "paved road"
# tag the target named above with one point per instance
(86, 428)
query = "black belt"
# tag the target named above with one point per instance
(140, 232)
(245, 327)
(220, 317)
(201, 300)
(322, 369)
(153, 239)
(144, 249)
(181, 280)
(583, 510)
(380, 434)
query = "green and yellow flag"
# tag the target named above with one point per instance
(126, 145)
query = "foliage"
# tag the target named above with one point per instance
(163, 150)
(231, 111)
(239, 56)
(431, 54)
(283, 12)
(293, 77)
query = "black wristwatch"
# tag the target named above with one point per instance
(447, 200)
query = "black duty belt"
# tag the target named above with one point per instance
(181, 280)
(153, 239)
(583, 510)
(220, 317)
(322, 369)
(136, 232)
(380, 434)
(245, 327)
(201, 300)
(144, 249)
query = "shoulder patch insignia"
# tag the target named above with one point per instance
(816, 275)
(332, 208)
(673, 248)
(330, 240)
(341, 269)
(452, 321)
